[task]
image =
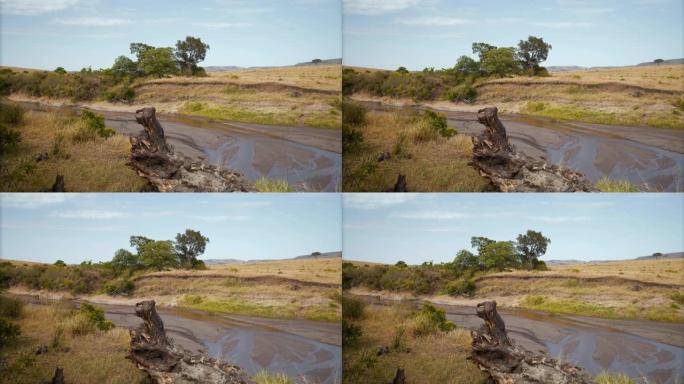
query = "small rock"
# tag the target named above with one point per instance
(636, 287)
(400, 377)
(384, 156)
(384, 350)
(42, 349)
(42, 156)
(58, 377)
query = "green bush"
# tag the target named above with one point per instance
(9, 139)
(93, 127)
(464, 92)
(8, 332)
(352, 307)
(351, 139)
(96, 316)
(122, 287)
(437, 316)
(438, 122)
(122, 93)
(460, 287)
(350, 332)
(353, 114)
(10, 308)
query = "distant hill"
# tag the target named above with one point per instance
(564, 262)
(320, 255)
(226, 68)
(673, 255)
(567, 68)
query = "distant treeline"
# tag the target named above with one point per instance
(111, 277)
(110, 84)
(455, 277)
(455, 83)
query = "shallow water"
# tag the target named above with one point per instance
(641, 349)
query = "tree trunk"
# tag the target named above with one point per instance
(166, 171)
(507, 363)
(509, 171)
(166, 363)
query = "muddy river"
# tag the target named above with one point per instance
(647, 351)
(309, 351)
(649, 157)
(308, 158)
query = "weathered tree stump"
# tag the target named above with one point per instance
(400, 185)
(154, 159)
(58, 185)
(510, 171)
(167, 363)
(58, 377)
(507, 363)
(399, 377)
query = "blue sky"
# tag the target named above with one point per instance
(76, 227)
(434, 33)
(387, 227)
(78, 33)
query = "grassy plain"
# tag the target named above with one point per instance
(88, 164)
(429, 162)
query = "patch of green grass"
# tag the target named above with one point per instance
(317, 119)
(289, 311)
(268, 185)
(605, 184)
(613, 378)
(264, 377)
(573, 112)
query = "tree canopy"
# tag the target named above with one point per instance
(189, 246)
(189, 52)
(532, 52)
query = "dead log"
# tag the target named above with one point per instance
(165, 363)
(166, 171)
(506, 363)
(510, 171)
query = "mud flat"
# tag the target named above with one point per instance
(309, 351)
(307, 158)
(641, 349)
(648, 157)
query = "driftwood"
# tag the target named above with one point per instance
(167, 363)
(154, 159)
(510, 171)
(507, 363)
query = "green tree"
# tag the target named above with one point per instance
(60, 263)
(158, 255)
(138, 49)
(402, 70)
(479, 243)
(401, 264)
(189, 52)
(189, 246)
(123, 66)
(158, 62)
(481, 49)
(532, 52)
(499, 61)
(467, 65)
(125, 260)
(499, 255)
(531, 246)
(466, 260)
(138, 241)
(60, 70)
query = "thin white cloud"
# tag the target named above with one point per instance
(91, 214)
(563, 24)
(436, 21)
(561, 219)
(220, 218)
(375, 200)
(220, 25)
(93, 22)
(377, 7)
(33, 200)
(432, 215)
(34, 7)
(588, 10)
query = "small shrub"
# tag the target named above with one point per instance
(351, 139)
(193, 106)
(352, 307)
(399, 148)
(118, 287)
(350, 332)
(398, 340)
(193, 299)
(607, 185)
(91, 126)
(264, 377)
(8, 332)
(11, 114)
(533, 300)
(613, 378)
(460, 287)
(430, 320)
(533, 106)
(10, 308)
(9, 138)
(678, 297)
(353, 114)
(122, 93)
(268, 185)
(464, 92)
(96, 316)
(431, 126)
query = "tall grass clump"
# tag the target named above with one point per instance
(352, 307)
(606, 184)
(268, 185)
(429, 321)
(613, 378)
(264, 377)
(92, 127)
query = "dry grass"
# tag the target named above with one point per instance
(327, 77)
(91, 166)
(308, 289)
(430, 164)
(92, 358)
(647, 96)
(435, 358)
